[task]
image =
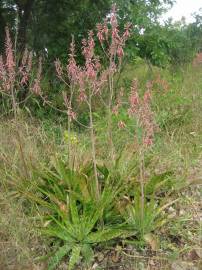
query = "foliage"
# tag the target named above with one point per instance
(157, 198)
(75, 216)
(55, 22)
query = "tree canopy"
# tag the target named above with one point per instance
(47, 26)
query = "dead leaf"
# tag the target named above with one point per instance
(180, 265)
(152, 241)
(115, 257)
(100, 256)
(193, 255)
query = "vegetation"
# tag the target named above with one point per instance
(100, 159)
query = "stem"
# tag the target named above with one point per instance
(111, 92)
(22, 156)
(69, 142)
(16, 33)
(14, 104)
(69, 123)
(92, 136)
(142, 174)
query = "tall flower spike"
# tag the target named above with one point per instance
(127, 33)
(2, 69)
(37, 87)
(24, 68)
(134, 100)
(10, 62)
(141, 109)
(58, 68)
(72, 68)
(29, 63)
(100, 33)
(91, 44)
(24, 58)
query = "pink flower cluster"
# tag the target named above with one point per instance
(36, 88)
(141, 109)
(159, 83)
(25, 67)
(7, 69)
(91, 78)
(13, 75)
(112, 37)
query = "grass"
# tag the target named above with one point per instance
(27, 146)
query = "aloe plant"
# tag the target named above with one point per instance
(154, 214)
(75, 218)
(77, 226)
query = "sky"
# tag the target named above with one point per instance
(183, 8)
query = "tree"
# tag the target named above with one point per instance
(7, 17)
(144, 15)
(24, 9)
(194, 30)
(47, 25)
(2, 27)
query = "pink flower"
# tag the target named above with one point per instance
(72, 69)
(147, 96)
(134, 97)
(141, 109)
(100, 32)
(24, 58)
(126, 34)
(2, 69)
(36, 89)
(82, 96)
(90, 71)
(25, 67)
(24, 79)
(148, 142)
(121, 124)
(10, 62)
(120, 52)
(58, 68)
(29, 63)
(71, 114)
(115, 110)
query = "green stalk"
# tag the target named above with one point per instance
(92, 136)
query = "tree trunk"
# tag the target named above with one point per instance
(24, 13)
(2, 30)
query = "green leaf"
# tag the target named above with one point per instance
(157, 181)
(54, 261)
(87, 253)
(68, 229)
(55, 232)
(75, 256)
(74, 211)
(104, 235)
